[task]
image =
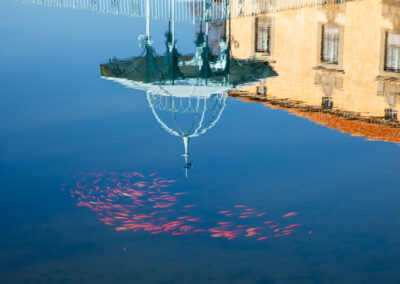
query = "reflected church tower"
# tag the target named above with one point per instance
(187, 93)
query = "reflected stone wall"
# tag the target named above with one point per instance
(357, 83)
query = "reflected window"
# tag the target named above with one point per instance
(327, 102)
(330, 44)
(390, 114)
(392, 52)
(263, 35)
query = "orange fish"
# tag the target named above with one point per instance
(292, 226)
(138, 174)
(290, 214)
(121, 228)
(186, 228)
(263, 238)
(178, 233)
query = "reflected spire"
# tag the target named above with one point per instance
(188, 163)
(187, 93)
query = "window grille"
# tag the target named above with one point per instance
(330, 45)
(263, 35)
(390, 114)
(327, 102)
(392, 52)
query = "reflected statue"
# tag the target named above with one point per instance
(187, 93)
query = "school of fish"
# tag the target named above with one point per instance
(132, 201)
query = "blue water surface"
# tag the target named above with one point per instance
(59, 118)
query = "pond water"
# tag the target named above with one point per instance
(134, 159)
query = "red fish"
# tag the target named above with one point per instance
(224, 223)
(188, 206)
(263, 238)
(290, 214)
(292, 226)
(121, 228)
(138, 174)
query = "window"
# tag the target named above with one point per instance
(261, 90)
(390, 114)
(392, 52)
(327, 102)
(330, 44)
(263, 35)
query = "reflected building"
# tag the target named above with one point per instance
(338, 64)
(187, 93)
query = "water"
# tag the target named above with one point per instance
(62, 123)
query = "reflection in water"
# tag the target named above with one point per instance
(132, 201)
(341, 73)
(187, 94)
(186, 11)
